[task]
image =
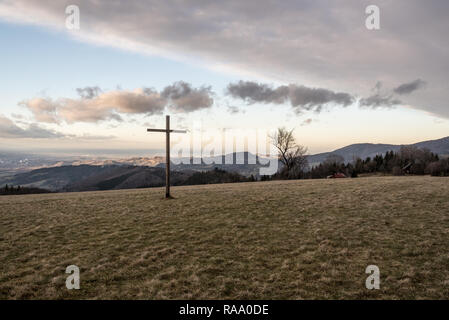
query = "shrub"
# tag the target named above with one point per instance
(439, 168)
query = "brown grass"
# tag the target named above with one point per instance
(268, 240)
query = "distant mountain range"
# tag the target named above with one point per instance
(106, 175)
(364, 150)
(93, 178)
(88, 175)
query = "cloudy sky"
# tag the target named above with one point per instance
(308, 65)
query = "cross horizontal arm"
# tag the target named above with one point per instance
(165, 130)
(156, 130)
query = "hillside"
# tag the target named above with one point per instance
(120, 175)
(302, 239)
(364, 150)
(125, 177)
(144, 172)
(54, 178)
(96, 178)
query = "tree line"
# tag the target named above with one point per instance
(408, 160)
(11, 190)
(216, 176)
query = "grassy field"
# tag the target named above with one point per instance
(267, 240)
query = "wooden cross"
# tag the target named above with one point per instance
(167, 152)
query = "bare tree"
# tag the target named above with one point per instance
(290, 154)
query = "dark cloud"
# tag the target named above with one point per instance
(183, 98)
(253, 92)
(409, 87)
(315, 98)
(96, 105)
(8, 129)
(323, 41)
(378, 100)
(300, 97)
(88, 92)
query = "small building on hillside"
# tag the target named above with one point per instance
(336, 176)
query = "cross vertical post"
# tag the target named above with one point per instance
(167, 131)
(167, 157)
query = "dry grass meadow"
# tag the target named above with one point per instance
(266, 240)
